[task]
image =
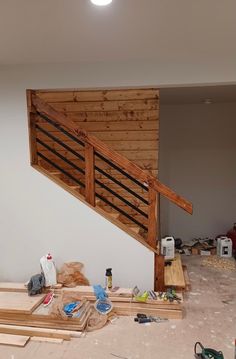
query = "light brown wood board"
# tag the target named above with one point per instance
(174, 276)
(19, 302)
(37, 332)
(121, 309)
(14, 340)
(46, 340)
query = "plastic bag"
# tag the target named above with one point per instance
(57, 308)
(70, 275)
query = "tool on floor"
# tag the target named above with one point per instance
(143, 318)
(142, 297)
(152, 294)
(48, 299)
(206, 353)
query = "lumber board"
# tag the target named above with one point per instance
(14, 340)
(12, 287)
(46, 340)
(19, 302)
(119, 105)
(37, 332)
(97, 95)
(186, 278)
(129, 309)
(106, 126)
(174, 276)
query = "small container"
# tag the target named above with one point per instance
(49, 270)
(168, 248)
(224, 247)
(109, 278)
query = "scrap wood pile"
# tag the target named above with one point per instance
(24, 315)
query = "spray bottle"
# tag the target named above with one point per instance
(109, 278)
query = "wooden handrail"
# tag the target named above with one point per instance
(130, 167)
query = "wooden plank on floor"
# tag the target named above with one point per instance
(46, 340)
(36, 332)
(12, 287)
(14, 340)
(19, 302)
(174, 276)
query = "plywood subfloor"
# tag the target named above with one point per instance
(19, 302)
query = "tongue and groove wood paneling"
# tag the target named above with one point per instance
(127, 120)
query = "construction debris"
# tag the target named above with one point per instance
(227, 264)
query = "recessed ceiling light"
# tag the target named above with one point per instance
(101, 2)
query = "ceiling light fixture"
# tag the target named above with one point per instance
(207, 101)
(101, 2)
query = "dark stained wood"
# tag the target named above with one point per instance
(89, 175)
(152, 217)
(32, 129)
(159, 271)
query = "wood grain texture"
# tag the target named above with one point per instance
(37, 332)
(174, 276)
(159, 273)
(19, 302)
(14, 340)
(89, 175)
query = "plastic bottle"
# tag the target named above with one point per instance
(224, 247)
(109, 278)
(168, 248)
(49, 270)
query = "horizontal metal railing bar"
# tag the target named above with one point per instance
(60, 128)
(60, 169)
(121, 171)
(68, 148)
(96, 181)
(121, 211)
(96, 153)
(97, 194)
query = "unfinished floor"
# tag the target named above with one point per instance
(210, 318)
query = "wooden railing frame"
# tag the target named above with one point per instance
(113, 156)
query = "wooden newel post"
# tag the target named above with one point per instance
(159, 280)
(89, 175)
(152, 218)
(32, 128)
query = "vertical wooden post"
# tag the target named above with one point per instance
(159, 269)
(89, 175)
(152, 218)
(32, 128)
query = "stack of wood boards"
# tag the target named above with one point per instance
(23, 315)
(125, 304)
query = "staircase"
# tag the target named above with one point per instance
(91, 170)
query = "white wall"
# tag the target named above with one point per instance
(198, 160)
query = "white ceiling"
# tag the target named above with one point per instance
(58, 31)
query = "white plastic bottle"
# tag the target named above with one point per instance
(49, 270)
(224, 247)
(168, 248)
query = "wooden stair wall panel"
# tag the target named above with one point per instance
(127, 120)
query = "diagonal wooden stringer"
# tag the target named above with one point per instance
(85, 189)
